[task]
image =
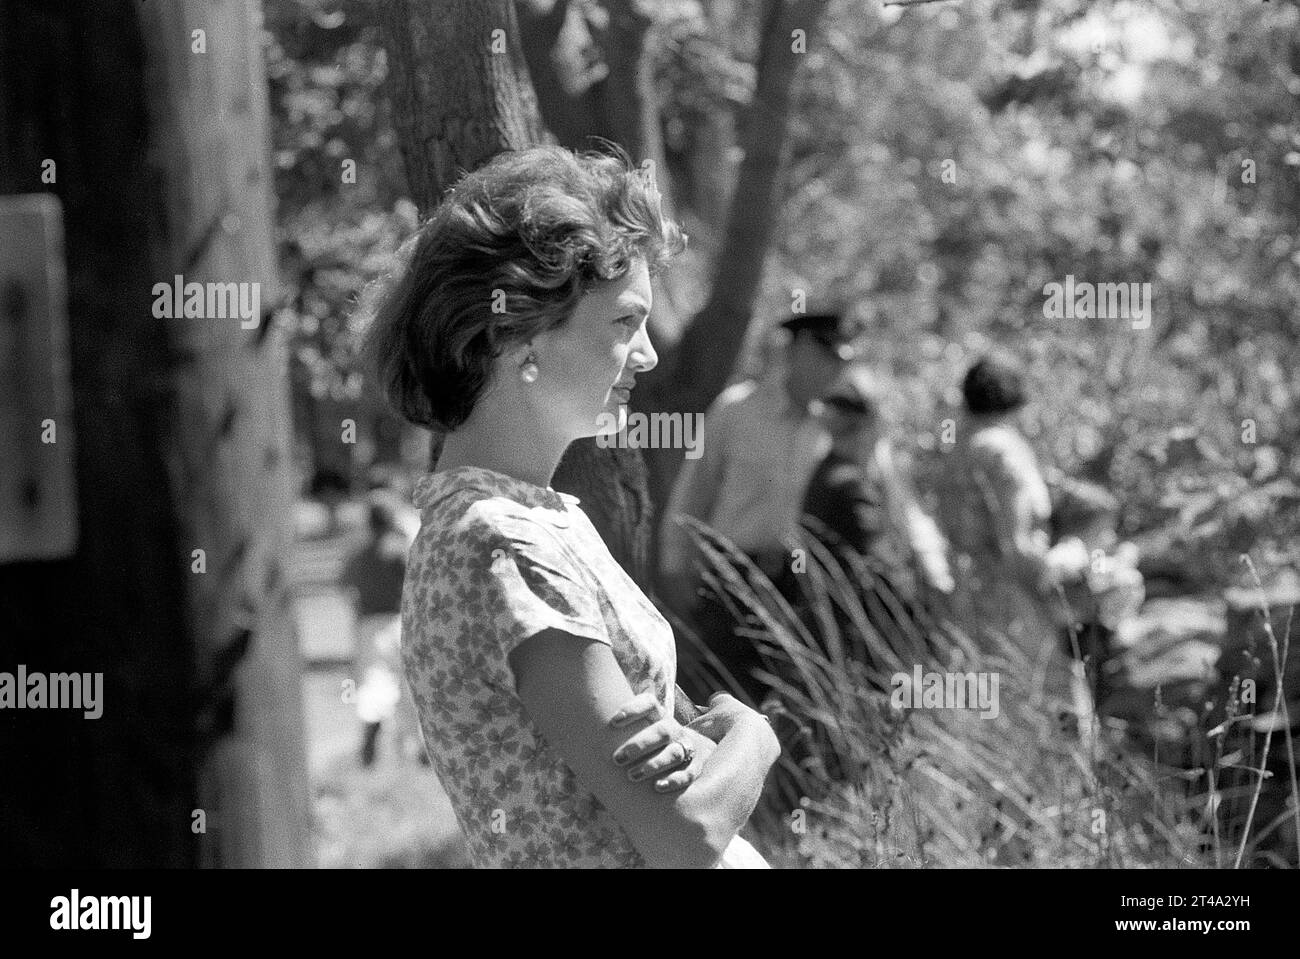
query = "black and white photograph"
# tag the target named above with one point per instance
(832, 435)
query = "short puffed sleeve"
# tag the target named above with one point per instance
(523, 580)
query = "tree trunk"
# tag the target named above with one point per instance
(180, 433)
(713, 173)
(621, 106)
(457, 103)
(612, 483)
(627, 95)
(95, 793)
(231, 470)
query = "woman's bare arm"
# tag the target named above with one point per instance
(572, 688)
(1016, 500)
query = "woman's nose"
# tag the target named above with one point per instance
(643, 356)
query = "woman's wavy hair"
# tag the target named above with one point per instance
(507, 255)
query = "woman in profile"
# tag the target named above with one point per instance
(543, 678)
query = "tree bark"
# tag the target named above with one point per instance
(613, 483)
(627, 95)
(180, 433)
(461, 90)
(621, 106)
(697, 367)
(230, 469)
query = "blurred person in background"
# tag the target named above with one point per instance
(995, 510)
(373, 575)
(860, 498)
(861, 494)
(1109, 594)
(331, 489)
(762, 441)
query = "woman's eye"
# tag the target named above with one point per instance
(630, 320)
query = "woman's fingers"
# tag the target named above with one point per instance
(706, 724)
(644, 743)
(642, 706)
(677, 780)
(672, 756)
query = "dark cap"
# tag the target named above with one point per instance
(849, 404)
(829, 327)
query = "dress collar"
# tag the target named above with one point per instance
(432, 487)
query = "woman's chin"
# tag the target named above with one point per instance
(611, 420)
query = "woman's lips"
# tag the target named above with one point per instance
(622, 394)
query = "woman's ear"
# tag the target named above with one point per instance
(521, 351)
(512, 357)
(524, 361)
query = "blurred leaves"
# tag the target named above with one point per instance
(326, 71)
(1108, 141)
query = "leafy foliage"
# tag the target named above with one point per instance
(1115, 142)
(326, 71)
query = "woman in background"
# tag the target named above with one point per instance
(543, 677)
(373, 576)
(995, 510)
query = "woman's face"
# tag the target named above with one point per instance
(848, 428)
(586, 367)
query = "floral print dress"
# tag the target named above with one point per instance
(498, 560)
(991, 488)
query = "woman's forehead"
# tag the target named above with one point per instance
(631, 291)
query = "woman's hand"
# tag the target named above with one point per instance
(723, 712)
(655, 751)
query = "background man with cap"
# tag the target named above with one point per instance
(862, 493)
(762, 442)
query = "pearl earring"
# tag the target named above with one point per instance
(528, 372)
